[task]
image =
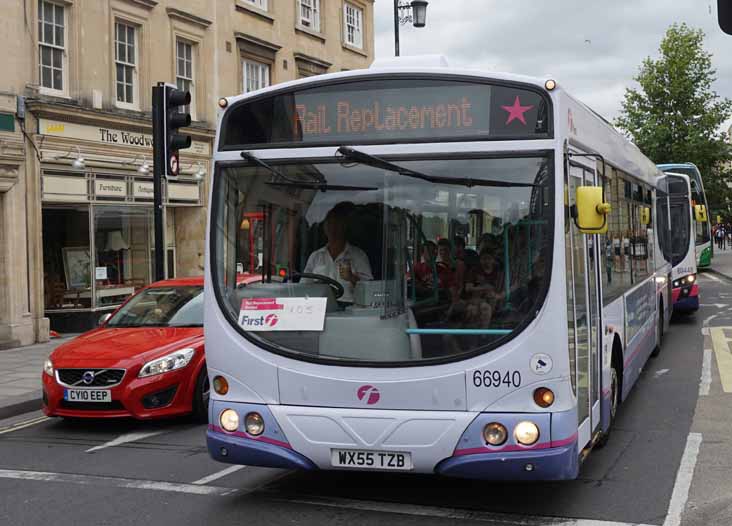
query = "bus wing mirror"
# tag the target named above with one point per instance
(645, 215)
(591, 210)
(700, 213)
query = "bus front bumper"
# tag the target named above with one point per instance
(560, 463)
(463, 454)
(686, 299)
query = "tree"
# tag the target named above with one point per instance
(675, 116)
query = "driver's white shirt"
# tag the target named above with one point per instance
(321, 262)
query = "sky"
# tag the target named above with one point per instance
(593, 48)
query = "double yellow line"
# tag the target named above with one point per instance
(23, 424)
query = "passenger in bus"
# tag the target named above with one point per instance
(486, 281)
(338, 259)
(466, 255)
(451, 271)
(424, 268)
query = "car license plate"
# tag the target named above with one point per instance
(87, 395)
(356, 459)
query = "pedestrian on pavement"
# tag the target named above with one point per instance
(720, 235)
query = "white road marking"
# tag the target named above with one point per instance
(712, 277)
(446, 513)
(683, 480)
(705, 381)
(123, 439)
(23, 425)
(660, 373)
(715, 305)
(96, 480)
(218, 475)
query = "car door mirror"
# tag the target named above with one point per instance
(104, 319)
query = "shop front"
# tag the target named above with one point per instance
(97, 226)
(98, 240)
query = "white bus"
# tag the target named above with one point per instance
(396, 278)
(703, 229)
(681, 249)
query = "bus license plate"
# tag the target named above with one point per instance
(356, 459)
(87, 395)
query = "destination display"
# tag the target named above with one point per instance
(388, 111)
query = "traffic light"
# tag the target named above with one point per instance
(167, 119)
(724, 11)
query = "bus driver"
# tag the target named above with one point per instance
(338, 259)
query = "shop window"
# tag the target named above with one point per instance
(123, 265)
(67, 258)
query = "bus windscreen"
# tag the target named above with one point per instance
(387, 110)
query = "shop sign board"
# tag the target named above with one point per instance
(143, 190)
(110, 188)
(183, 192)
(66, 189)
(111, 136)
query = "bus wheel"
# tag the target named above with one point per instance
(659, 332)
(201, 396)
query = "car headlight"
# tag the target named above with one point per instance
(48, 367)
(169, 362)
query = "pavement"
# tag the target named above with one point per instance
(722, 262)
(20, 376)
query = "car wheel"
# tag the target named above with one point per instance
(201, 396)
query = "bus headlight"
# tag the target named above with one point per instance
(690, 278)
(526, 433)
(495, 434)
(254, 424)
(229, 420)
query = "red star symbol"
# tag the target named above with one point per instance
(516, 111)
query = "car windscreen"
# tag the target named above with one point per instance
(162, 307)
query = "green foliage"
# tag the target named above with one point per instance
(676, 117)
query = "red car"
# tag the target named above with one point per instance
(146, 360)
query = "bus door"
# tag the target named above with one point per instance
(584, 311)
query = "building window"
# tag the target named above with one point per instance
(353, 29)
(256, 75)
(184, 71)
(125, 57)
(51, 45)
(310, 14)
(261, 4)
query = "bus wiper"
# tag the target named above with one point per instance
(371, 160)
(274, 171)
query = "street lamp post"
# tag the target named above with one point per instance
(414, 11)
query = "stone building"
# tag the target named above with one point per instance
(76, 224)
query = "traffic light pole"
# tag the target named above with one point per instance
(159, 167)
(167, 117)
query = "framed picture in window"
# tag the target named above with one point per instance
(77, 267)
